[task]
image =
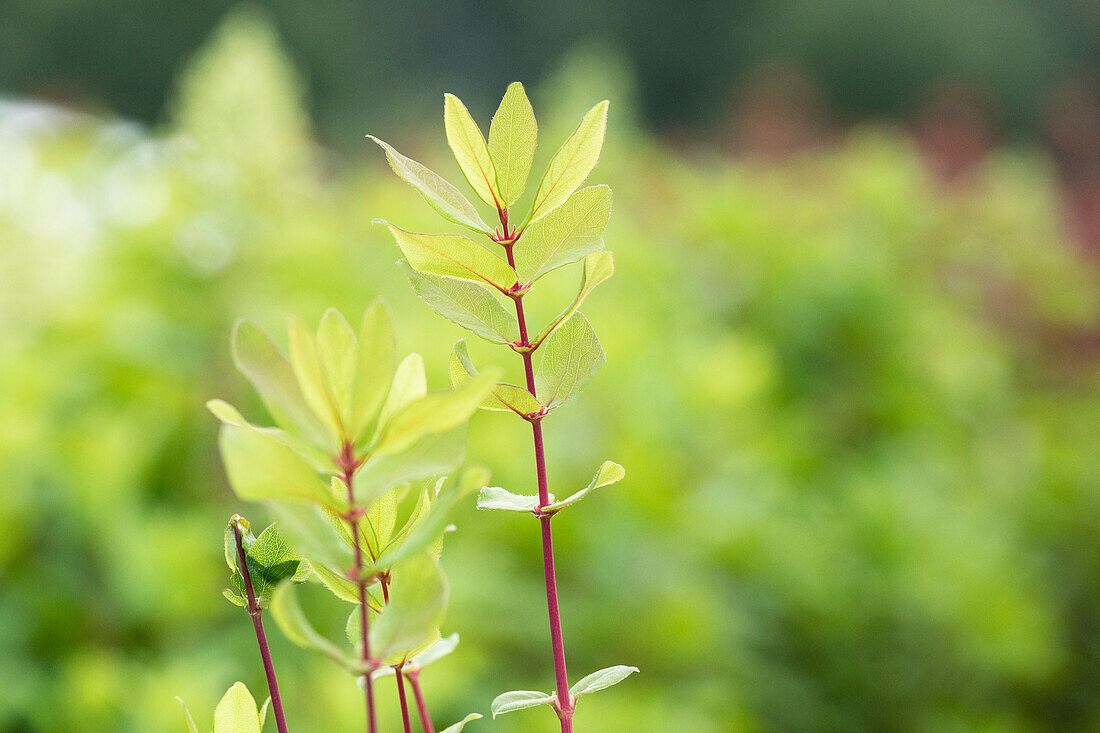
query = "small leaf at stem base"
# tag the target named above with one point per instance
(519, 700)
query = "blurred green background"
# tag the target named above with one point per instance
(852, 367)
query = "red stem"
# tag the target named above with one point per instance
(348, 464)
(565, 704)
(261, 637)
(401, 696)
(425, 719)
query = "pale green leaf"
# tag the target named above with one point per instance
(512, 137)
(311, 379)
(608, 473)
(294, 625)
(236, 713)
(340, 585)
(410, 383)
(435, 652)
(468, 145)
(435, 413)
(565, 235)
(598, 267)
(571, 357)
(518, 700)
(426, 529)
(187, 713)
(313, 455)
(381, 518)
(494, 497)
(468, 304)
(263, 712)
(504, 397)
(601, 680)
(453, 255)
(376, 367)
(260, 469)
(461, 724)
(411, 620)
(309, 530)
(447, 200)
(338, 351)
(433, 454)
(571, 164)
(262, 363)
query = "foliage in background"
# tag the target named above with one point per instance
(859, 414)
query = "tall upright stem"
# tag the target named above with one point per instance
(348, 464)
(261, 636)
(399, 675)
(425, 719)
(564, 703)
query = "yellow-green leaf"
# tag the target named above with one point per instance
(571, 356)
(598, 266)
(513, 134)
(470, 305)
(565, 235)
(375, 370)
(447, 200)
(236, 713)
(504, 397)
(311, 378)
(338, 352)
(571, 164)
(452, 255)
(468, 145)
(260, 469)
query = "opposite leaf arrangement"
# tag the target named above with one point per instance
(359, 442)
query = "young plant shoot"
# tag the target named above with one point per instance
(482, 288)
(358, 442)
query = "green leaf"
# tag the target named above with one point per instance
(263, 364)
(571, 164)
(376, 367)
(190, 721)
(453, 255)
(608, 473)
(270, 561)
(309, 530)
(512, 137)
(341, 586)
(447, 200)
(468, 304)
(236, 713)
(504, 397)
(601, 680)
(433, 454)
(263, 712)
(468, 145)
(461, 724)
(410, 383)
(381, 518)
(428, 528)
(411, 620)
(294, 625)
(567, 234)
(598, 266)
(520, 699)
(314, 456)
(435, 413)
(494, 497)
(338, 352)
(311, 379)
(260, 468)
(571, 357)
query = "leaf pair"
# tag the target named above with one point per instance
(494, 497)
(497, 170)
(521, 699)
(235, 713)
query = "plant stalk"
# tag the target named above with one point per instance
(400, 677)
(348, 464)
(564, 702)
(261, 637)
(425, 719)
